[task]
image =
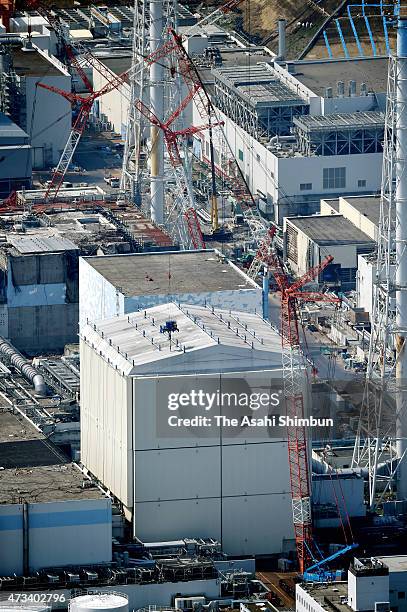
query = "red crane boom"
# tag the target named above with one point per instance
(293, 375)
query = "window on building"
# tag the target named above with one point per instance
(258, 157)
(207, 149)
(334, 178)
(401, 594)
(240, 155)
(305, 186)
(362, 183)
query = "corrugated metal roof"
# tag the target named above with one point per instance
(132, 341)
(36, 244)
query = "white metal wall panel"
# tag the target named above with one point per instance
(146, 413)
(247, 300)
(256, 524)
(255, 469)
(98, 299)
(106, 438)
(77, 532)
(178, 473)
(11, 539)
(169, 520)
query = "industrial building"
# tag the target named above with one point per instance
(15, 153)
(39, 273)
(373, 583)
(115, 285)
(308, 240)
(43, 115)
(324, 125)
(185, 484)
(47, 515)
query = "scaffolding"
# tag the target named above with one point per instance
(256, 99)
(344, 134)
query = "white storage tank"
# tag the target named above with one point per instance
(110, 601)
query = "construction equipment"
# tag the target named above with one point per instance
(184, 199)
(292, 295)
(85, 107)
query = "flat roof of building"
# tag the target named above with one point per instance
(35, 64)
(117, 63)
(33, 468)
(135, 345)
(170, 272)
(330, 596)
(368, 206)
(330, 230)
(395, 563)
(341, 121)
(258, 85)
(41, 244)
(317, 75)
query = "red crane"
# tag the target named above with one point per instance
(85, 107)
(292, 295)
(184, 200)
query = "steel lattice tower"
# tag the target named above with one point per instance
(387, 360)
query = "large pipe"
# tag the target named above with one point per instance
(23, 366)
(281, 39)
(401, 255)
(157, 107)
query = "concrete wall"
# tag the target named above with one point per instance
(41, 294)
(60, 533)
(357, 218)
(279, 178)
(48, 116)
(347, 494)
(365, 591)
(114, 104)
(39, 329)
(310, 254)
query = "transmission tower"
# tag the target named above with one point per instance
(382, 452)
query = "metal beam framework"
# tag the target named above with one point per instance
(263, 119)
(385, 380)
(340, 142)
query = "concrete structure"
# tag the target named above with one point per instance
(183, 483)
(41, 33)
(362, 211)
(39, 291)
(15, 155)
(334, 493)
(367, 587)
(373, 584)
(113, 286)
(45, 116)
(308, 240)
(290, 182)
(47, 516)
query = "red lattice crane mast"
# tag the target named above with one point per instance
(292, 295)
